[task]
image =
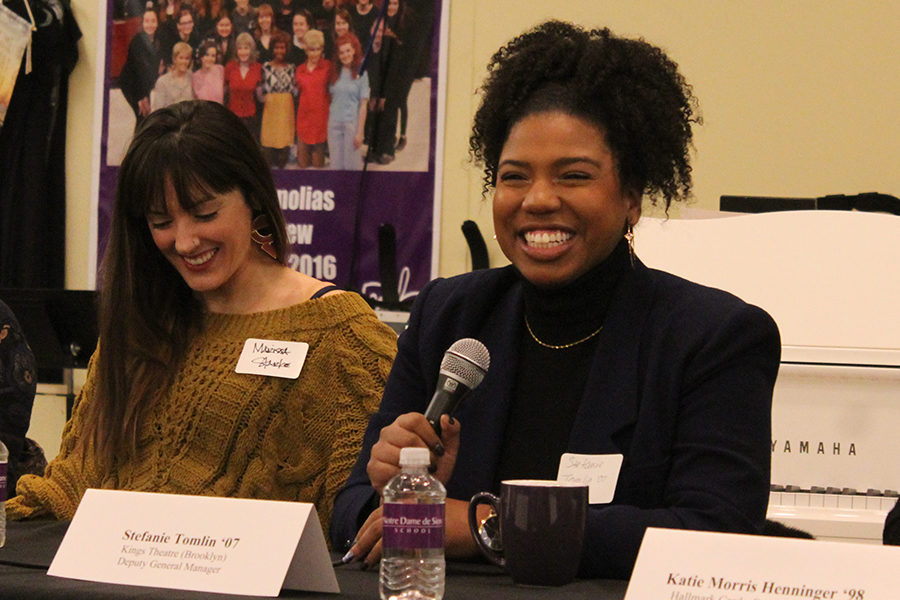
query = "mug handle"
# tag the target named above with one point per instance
(484, 498)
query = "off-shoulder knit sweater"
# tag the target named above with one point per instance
(220, 433)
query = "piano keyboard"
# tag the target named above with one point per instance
(831, 513)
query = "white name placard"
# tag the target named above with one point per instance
(599, 472)
(692, 565)
(226, 545)
(272, 358)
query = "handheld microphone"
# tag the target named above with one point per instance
(462, 369)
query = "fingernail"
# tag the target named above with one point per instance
(349, 557)
(438, 449)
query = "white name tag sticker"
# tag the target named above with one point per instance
(599, 472)
(273, 358)
(201, 543)
(676, 564)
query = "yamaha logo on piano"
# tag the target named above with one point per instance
(804, 447)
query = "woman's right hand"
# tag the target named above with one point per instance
(458, 541)
(413, 430)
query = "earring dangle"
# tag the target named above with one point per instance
(262, 236)
(629, 237)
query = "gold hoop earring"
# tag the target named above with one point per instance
(262, 235)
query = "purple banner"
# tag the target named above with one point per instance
(333, 216)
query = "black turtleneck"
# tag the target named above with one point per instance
(550, 382)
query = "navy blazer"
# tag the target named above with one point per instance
(681, 385)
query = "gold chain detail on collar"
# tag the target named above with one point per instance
(560, 346)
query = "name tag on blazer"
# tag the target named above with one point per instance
(599, 471)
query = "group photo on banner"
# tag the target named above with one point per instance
(341, 96)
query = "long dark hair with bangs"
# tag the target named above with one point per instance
(148, 313)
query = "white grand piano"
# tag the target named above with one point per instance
(831, 280)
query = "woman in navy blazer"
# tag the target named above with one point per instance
(591, 351)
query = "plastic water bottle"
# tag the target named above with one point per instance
(4, 458)
(412, 558)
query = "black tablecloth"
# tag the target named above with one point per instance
(30, 547)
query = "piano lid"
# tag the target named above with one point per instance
(830, 279)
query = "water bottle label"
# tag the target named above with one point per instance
(3, 495)
(413, 526)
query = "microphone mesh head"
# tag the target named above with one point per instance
(466, 360)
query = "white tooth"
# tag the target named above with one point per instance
(546, 239)
(199, 260)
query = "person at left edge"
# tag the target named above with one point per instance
(194, 266)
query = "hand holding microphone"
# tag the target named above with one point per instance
(463, 367)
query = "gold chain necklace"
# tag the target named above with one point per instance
(560, 346)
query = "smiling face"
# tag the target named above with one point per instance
(264, 20)
(313, 54)
(150, 22)
(181, 62)
(340, 26)
(558, 207)
(223, 27)
(209, 58)
(392, 7)
(185, 26)
(300, 26)
(279, 50)
(345, 54)
(244, 52)
(209, 245)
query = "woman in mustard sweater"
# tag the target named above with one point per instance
(194, 267)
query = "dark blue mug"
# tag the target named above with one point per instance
(538, 531)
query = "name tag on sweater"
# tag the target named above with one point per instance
(272, 358)
(202, 543)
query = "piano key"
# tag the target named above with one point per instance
(861, 502)
(831, 497)
(873, 499)
(845, 498)
(816, 496)
(799, 498)
(775, 492)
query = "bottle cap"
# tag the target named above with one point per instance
(415, 457)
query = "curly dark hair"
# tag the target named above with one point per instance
(630, 89)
